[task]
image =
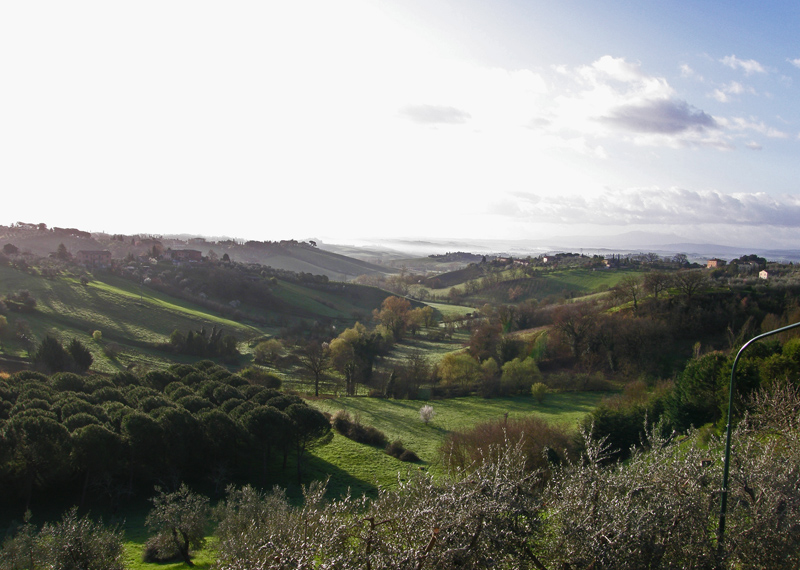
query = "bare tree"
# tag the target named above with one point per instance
(657, 282)
(314, 358)
(690, 281)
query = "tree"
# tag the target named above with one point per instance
(574, 323)
(696, 397)
(10, 249)
(426, 413)
(40, 449)
(97, 450)
(178, 522)
(52, 355)
(268, 351)
(353, 354)
(268, 426)
(309, 427)
(485, 339)
(458, 369)
(518, 375)
(62, 253)
(80, 355)
(657, 282)
(629, 289)
(313, 357)
(394, 315)
(680, 259)
(409, 376)
(690, 281)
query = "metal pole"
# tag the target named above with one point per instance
(723, 505)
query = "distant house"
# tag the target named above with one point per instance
(763, 274)
(714, 262)
(93, 258)
(183, 255)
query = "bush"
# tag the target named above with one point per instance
(539, 392)
(72, 543)
(398, 451)
(409, 456)
(355, 430)
(541, 443)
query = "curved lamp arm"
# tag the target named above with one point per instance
(723, 506)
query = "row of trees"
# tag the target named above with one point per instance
(196, 422)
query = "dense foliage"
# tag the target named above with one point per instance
(114, 435)
(657, 510)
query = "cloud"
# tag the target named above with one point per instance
(657, 206)
(795, 62)
(741, 124)
(615, 99)
(749, 66)
(687, 71)
(665, 117)
(732, 88)
(435, 114)
(615, 68)
(752, 145)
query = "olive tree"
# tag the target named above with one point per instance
(177, 522)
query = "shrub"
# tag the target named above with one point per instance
(426, 413)
(398, 451)
(71, 543)
(409, 456)
(355, 430)
(540, 443)
(539, 392)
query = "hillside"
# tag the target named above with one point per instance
(134, 318)
(288, 255)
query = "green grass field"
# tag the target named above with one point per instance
(399, 419)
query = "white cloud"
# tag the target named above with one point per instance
(688, 72)
(795, 62)
(752, 145)
(732, 88)
(749, 66)
(742, 124)
(720, 96)
(615, 99)
(435, 114)
(659, 206)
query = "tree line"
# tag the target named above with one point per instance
(115, 435)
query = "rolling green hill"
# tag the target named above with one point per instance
(134, 318)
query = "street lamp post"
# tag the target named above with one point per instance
(723, 505)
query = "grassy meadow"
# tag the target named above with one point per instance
(400, 419)
(358, 468)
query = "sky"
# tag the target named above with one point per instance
(354, 120)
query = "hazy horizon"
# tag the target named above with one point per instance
(358, 120)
